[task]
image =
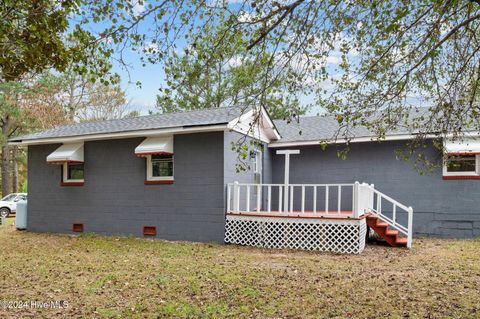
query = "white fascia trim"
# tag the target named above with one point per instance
(250, 134)
(270, 122)
(399, 137)
(343, 141)
(119, 135)
(242, 125)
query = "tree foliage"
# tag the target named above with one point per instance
(39, 35)
(358, 59)
(82, 99)
(200, 77)
(49, 100)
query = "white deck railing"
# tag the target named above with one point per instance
(342, 200)
(398, 209)
(332, 199)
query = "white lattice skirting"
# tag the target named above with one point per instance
(340, 236)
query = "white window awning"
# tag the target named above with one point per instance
(463, 146)
(155, 145)
(67, 153)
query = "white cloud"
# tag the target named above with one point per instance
(332, 59)
(244, 16)
(235, 61)
(138, 6)
(151, 48)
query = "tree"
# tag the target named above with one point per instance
(85, 100)
(46, 101)
(38, 35)
(22, 110)
(367, 61)
(200, 78)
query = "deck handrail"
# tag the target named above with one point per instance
(393, 221)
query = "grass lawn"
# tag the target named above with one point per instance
(110, 277)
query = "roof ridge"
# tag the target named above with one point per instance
(326, 115)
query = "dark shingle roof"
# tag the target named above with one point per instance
(318, 128)
(310, 128)
(158, 121)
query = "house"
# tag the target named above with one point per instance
(174, 176)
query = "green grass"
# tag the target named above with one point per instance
(114, 277)
(10, 220)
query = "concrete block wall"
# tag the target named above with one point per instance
(445, 208)
(114, 199)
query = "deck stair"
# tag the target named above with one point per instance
(391, 236)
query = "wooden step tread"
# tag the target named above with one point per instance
(391, 232)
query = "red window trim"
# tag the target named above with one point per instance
(461, 177)
(464, 154)
(72, 183)
(165, 182)
(67, 162)
(153, 153)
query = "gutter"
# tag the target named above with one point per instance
(119, 135)
(400, 137)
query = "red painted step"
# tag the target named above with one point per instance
(391, 236)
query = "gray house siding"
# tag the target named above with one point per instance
(446, 208)
(114, 199)
(231, 159)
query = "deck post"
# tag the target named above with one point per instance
(236, 197)
(355, 196)
(287, 154)
(410, 227)
(229, 197)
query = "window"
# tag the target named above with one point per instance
(73, 174)
(9, 198)
(160, 167)
(257, 167)
(461, 166)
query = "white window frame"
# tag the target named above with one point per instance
(65, 178)
(258, 165)
(477, 167)
(150, 176)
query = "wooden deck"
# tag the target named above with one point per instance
(298, 214)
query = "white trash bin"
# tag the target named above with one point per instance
(21, 215)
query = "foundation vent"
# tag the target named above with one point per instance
(149, 231)
(77, 228)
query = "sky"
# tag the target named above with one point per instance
(142, 99)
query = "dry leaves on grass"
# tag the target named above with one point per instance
(111, 277)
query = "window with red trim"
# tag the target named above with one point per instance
(461, 166)
(73, 173)
(159, 167)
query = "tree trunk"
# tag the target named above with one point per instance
(5, 158)
(14, 170)
(5, 170)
